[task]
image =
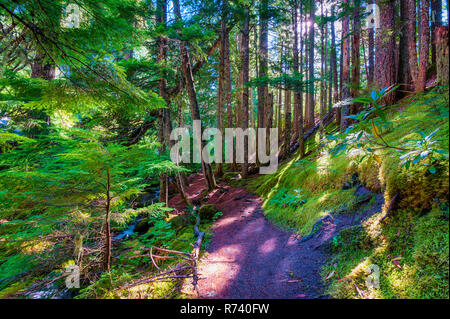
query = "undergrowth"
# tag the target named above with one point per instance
(411, 248)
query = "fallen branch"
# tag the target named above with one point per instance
(327, 119)
(197, 244)
(179, 271)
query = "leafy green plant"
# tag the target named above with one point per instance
(367, 134)
(216, 216)
(424, 149)
(284, 199)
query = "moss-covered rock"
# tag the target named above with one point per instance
(230, 176)
(369, 172)
(179, 221)
(207, 211)
(416, 187)
(143, 226)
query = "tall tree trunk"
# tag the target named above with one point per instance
(410, 12)
(384, 75)
(164, 113)
(442, 55)
(323, 93)
(310, 110)
(245, 78)
(280, 97)
(436, 21)
(41, 69)
(371, 55)
(182, 179)
(356, 61)
(280, 105)
(195, 112)
(228, 89)
(404, 74)
(268, 118)
(345, 91)
(333, 57)
(424, 46)
(222, 80)
(263, 59)
(295, 121)
(298, 109)
(252, 114)
(107, 226)
(287, 121)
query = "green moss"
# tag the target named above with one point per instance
(369, 174)
(178, 222)
(320, 178)
(419, 244)
(207, 212)
(230, 176)
(15, 288)
(416, 187)
(413, 234)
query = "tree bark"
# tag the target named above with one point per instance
(442, 55)
(164, 113)
(333, 62)
(323, 91)
(41, 69)
(371, 55)
(356, 60)
(424, 47)
(263, 60)
(345, 91)
(221, 88)
(407, 47)
(228, 89)
(107, 247)
(410, 12)
(287, 120)
(310, 110)
(245, 77)
(436, 21)
(268, 119)
(296, 122)
(298, 107)
(384, 75)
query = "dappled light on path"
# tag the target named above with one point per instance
(249, 257)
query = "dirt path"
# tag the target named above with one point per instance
(249, 257)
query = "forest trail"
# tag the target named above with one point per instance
(249, 257)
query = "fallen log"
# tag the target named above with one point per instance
(327, 119)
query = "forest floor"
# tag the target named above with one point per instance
(250, 257)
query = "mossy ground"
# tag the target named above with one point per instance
(125, 270)
(410, 249)
(417, 231)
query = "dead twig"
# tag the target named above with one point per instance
(389, 208)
